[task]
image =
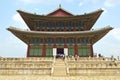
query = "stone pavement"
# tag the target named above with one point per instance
(42, 77)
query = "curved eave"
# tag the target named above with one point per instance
(95, 35)
(88, 18)
(37, 15)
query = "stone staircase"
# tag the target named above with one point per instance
(59, 68)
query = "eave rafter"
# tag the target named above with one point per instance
(25, 35)
(87, 19)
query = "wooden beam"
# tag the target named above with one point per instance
(44, 50)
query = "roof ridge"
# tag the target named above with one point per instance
(60, 8)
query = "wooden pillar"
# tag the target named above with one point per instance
(28, 51)
(76, 49)
(91, 49)
(44, 50)
(54, 46)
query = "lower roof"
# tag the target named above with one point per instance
(25, 35)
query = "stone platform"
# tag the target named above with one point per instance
(43, 77)
(59, 69)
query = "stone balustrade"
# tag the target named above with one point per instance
(26, 66)
(81, 66)
(92, 66)
(88, 59)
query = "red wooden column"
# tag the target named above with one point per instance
(91, 48)
(44, 47)
(43, 50)
(28, 51)
(76, 49)
(54, 45)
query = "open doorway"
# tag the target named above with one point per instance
(60, 52)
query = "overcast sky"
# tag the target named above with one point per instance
(11, 46)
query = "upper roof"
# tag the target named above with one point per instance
(94, 35)
(87, 19)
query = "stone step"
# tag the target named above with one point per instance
(59, 68)
(59, 73)
(60, 64)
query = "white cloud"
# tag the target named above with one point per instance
(115, 33)
(69, 0)
(17, 18)
(105, 10)
(83, 2)
(111, 3)
(95, 1)
(107, 3)
(18, 21)
(41, 1)
(28, 1)
(14, 46)
(109, 44)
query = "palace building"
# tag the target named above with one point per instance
(60, 33)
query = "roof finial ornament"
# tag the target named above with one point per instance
(59, 5)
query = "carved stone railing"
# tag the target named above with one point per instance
(93, 67)
(94, 71)
(26, 66)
